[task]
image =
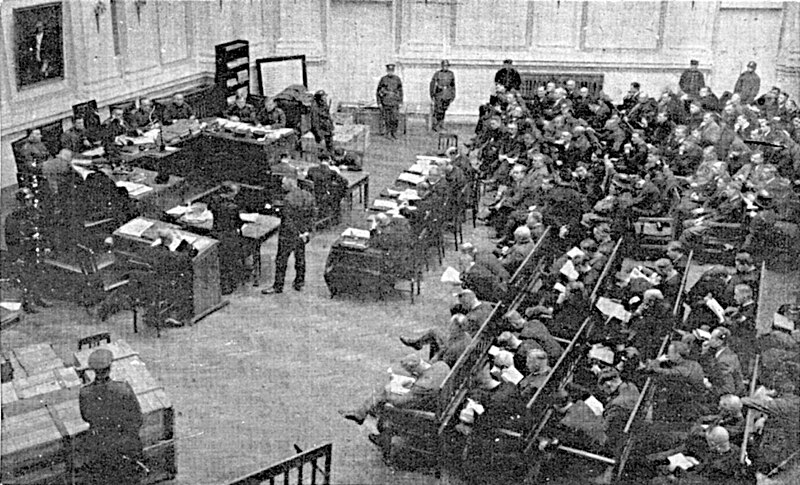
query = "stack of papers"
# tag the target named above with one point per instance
(613, 309)
(512, 375)
(134, 189)
(428, 159)
(135, 227)
(179, 210)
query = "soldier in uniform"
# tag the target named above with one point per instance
(443, 92)
(296, 218)
(321, 121)
(112, 410)
(390, 97)
(692, 80)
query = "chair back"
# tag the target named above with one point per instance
(447, 140)
(94, 340)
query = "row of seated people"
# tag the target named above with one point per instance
(627, 167)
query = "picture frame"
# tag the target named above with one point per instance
(39, 44)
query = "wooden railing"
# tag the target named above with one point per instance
(293, 468)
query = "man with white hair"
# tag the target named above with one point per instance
(516, 254)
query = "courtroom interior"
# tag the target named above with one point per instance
(400, 242)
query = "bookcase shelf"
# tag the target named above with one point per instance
(233, 66)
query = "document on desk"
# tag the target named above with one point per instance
(179, 210)
(356, 233)
(133, 188)
(408, 194)
(410, 178)
(136, 227)
(384, 204)
(94, 153)
(613, 309)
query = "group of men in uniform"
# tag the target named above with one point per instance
(390, 97)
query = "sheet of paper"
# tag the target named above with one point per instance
(569, 271)
(613, 309)
(451, 275)
(135, 227)
(357, 233)
(574, 252)
(681, 461)
(408, 194)
(400, 384)
(385, 204)
(410, 178)
(512, 375)
(133, 188)
(701, 334)
(249, 217)
(94, 152)
(715, 307)
(595, 405)
(393, 193)
(560, 288)
(493, 351)
(781, 322)
(179, 210)
(636, 273)
(601, 353)
(417, 169)
(475, 406)
(12, 306)
(431, 158)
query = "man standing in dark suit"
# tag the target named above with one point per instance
(443, 92)
(390, 97)
(114, 416)
(296, 218)
(508, 77)
(329, 188)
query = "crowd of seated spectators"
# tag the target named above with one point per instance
(587, 168)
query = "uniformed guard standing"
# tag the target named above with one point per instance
(112, 410)
(390, 97)
(443, 92)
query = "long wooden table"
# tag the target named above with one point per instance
(206, 296)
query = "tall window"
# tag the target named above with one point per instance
(115, 31)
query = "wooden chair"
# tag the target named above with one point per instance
(446, 140)
(94, 340)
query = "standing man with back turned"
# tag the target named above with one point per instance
(390, 97)
(443, 92)
(112, 410)
(296, 218)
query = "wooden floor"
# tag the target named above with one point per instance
(268, 372)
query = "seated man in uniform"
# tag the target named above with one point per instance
(145, 117)
(178, 110)
(483, 273)
(329, 188)
(113, 447)
(241, 110)
(271, 116)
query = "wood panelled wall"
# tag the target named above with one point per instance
(168, 45)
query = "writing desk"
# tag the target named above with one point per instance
(255, 233)
(356, 181)
(206, 295)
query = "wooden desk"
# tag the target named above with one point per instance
(255, 233)
(370, 114)
(161, 197)
(355, 181)
(206, 294)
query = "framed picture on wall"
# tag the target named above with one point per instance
(39, 43)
